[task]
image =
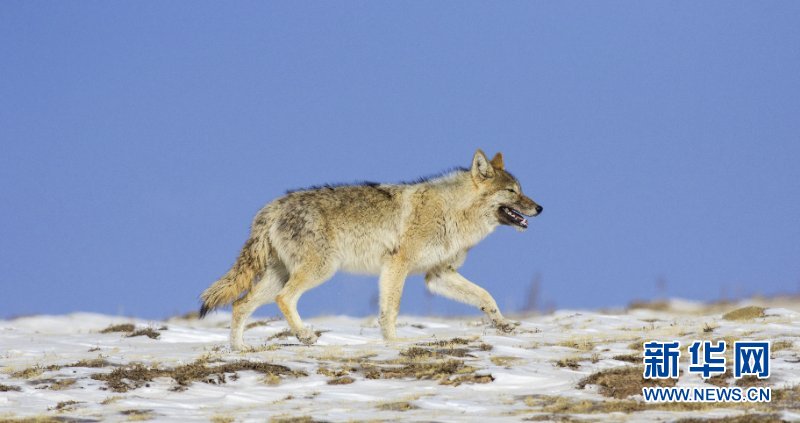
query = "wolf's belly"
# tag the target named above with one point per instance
(371, 264)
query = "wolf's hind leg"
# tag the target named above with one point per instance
(262, 293)
(301, 280)
(449, 283)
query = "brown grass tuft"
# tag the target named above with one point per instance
(62, 384)
(745, 418)
(568, 362)
(622, 382)
(66, 405)
(148, 332)
(744, 313)
(628, 358)
(124, 327)
(396, 406)
(7, 388)
(501, 360)
(344, 380)
(134, 376)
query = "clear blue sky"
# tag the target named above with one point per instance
(138, 139)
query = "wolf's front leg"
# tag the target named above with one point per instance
(451, 284)
(392, 279)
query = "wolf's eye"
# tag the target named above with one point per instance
(511, 191)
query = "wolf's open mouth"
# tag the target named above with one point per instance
(510, 216)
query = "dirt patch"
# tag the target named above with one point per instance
(745, 313)
(622, 382)
(136, 375)
(124, 327)
(344, 380)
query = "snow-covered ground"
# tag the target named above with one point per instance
(443, 369)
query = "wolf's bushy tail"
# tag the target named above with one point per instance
(239, 279)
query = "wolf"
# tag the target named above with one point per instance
(426, 227)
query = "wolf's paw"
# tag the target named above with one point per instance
(307, 336)
(505, 326)
(242, 347)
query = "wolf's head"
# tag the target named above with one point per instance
(502, 191)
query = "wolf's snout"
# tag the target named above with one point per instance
(539, 209)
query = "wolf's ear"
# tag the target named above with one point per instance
(481, 168)
(497, 161)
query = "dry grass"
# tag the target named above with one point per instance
(423, 353)
(344, 380)
(569, 362)
(501, 360)
(781, 345)
(745, 313)
(124, 327)
(34, 419)
(629, 358)
(62, 384)
(66, 405)
(148, 332)
(580, 344)
(7, 388)
(720, 380)
(396, 406)
(136, 375)
(749, 380)
(287, 333)
(29, 372)
(745, 418)
(38, 370)
(435, 360)
(292, 419)
(137, 415)
(622, 382)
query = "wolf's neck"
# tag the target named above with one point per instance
(466, 206)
